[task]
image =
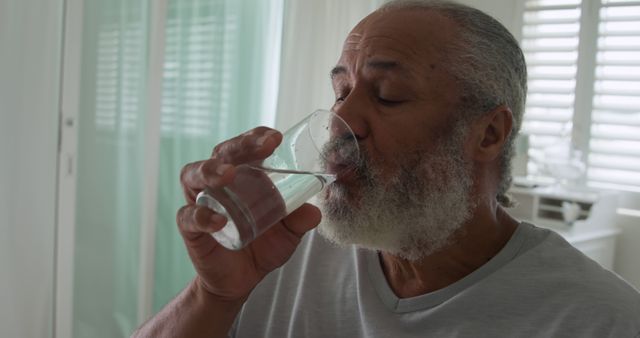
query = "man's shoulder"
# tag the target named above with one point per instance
(566, 278)
(556, 260)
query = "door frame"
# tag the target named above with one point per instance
(67, 165)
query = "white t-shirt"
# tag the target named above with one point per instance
(538, 285)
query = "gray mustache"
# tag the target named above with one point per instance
(342, 150)
(347, 152)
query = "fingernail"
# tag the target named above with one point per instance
(221, 169)
(218, 219)
(260, 141)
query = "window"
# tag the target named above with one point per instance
(220, 78)
(584, 86)
(221, 67)
(119, 62)
(197, 69)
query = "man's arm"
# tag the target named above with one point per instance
(211, 302)
(193, 313)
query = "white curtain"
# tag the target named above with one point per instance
(219, 75)
(112, 122)
(220, 78)
(314, 31)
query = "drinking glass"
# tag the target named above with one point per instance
(312, 153)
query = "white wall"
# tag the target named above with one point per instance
(503, 10)
(627, 258)
(30, 41)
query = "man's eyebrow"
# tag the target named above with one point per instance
(384, 65)
(375, 64)
(337, 70)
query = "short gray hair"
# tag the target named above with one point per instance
(489, 65)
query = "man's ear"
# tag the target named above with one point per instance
(489, 134)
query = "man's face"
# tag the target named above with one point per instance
(393, 90)
(391, 86)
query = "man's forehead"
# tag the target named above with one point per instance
(411, 22)
(400, 36)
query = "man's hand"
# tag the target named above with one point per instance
(209, 305)
(225, 274)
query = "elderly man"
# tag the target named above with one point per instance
(417, 243)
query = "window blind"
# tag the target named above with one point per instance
(120, 69)
(614, 147)
(550, 38)
(198, 64)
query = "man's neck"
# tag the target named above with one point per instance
(480, 240)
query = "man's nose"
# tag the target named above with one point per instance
(353, 111)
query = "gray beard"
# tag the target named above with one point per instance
(413, 214)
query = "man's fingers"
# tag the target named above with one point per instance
(254, 145)
(213, 173)
(219, 170)
(195, 219)
(302, 219)
(195, 223)
(281, 240)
